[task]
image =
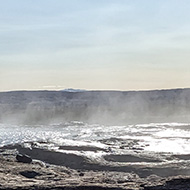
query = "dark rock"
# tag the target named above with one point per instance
(29, 174)
(81, 174)
(172, 184)
(23, 158)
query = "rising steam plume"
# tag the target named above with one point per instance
(110, 107)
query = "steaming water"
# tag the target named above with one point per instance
(153, 137)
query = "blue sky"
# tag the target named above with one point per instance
(88, 44)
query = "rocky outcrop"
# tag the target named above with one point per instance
(31, 176)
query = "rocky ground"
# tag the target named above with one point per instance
(40, 175)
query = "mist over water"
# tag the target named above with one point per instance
(104, 107)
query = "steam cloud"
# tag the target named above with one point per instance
(110, 107)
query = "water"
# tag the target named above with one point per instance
(153, 137)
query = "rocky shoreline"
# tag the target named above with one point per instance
(67, 171)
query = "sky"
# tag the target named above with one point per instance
(94, 44)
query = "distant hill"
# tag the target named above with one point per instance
(109, 107)
(73, 90)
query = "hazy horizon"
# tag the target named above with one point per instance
(93, 90)
(94, 45)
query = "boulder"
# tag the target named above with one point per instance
(23, 158)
